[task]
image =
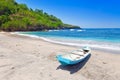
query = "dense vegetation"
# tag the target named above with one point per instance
(18, 17)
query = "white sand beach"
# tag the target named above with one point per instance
(25, 58)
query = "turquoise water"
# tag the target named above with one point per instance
(107, 38)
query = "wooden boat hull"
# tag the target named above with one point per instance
(65, 61)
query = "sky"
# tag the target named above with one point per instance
(83, 13)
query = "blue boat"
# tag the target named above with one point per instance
(73, 57)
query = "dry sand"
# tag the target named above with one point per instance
(24, 58)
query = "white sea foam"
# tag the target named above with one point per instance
(97, 46)
(34, 36)
(53, 30)
(72, 29)
(79, 30)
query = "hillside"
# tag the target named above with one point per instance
(18, 17)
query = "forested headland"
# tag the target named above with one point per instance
(18, 17)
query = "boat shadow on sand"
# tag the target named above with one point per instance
(76, 67)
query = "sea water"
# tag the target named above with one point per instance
(101, 38)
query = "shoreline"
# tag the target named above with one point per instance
(25, 58)
(104, 49)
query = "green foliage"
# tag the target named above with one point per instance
(3, 19)
(14, 25)
(7, 7)
(17, 17)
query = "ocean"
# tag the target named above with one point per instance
(98, 38)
